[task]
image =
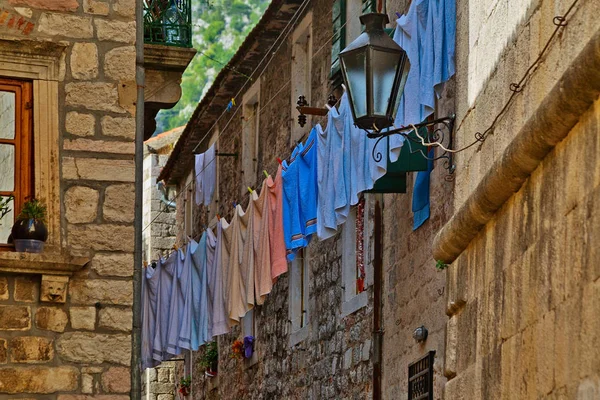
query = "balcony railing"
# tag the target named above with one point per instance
(168, 22)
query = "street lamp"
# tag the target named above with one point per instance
(375, 69)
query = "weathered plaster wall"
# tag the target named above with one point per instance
(59, 351)
(524, 295)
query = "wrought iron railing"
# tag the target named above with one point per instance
(168, 22)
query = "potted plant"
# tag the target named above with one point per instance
(4, 206)
(29, 231)
(237, 349)
(184, 386)
(210, 359)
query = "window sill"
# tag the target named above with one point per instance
(298, 336)
(41, 263)
(354, 304)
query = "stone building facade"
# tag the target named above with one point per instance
(523, 293)
(66, 315)
(80, 57)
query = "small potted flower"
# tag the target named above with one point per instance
(184, 386)
(29, 231)
(4, 206)
(237, 349)
(210, 359)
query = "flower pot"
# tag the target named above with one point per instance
(31, 229)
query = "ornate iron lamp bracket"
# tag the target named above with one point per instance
(441, 136)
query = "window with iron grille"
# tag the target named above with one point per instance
(420, 378)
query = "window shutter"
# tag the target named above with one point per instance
(369, 6)
(339, 39)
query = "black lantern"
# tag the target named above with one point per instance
(375, 69)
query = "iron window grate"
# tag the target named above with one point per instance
(420, 378)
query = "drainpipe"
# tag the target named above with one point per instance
(136, 344)
(377, 303)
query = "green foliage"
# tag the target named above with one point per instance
(211, 354)
(219, 28)
(440, 265)
(33, 209)
(4, 205)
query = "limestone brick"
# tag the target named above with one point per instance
(116, 380)
(4, 295)
(83, 318)
(99, 96)
(3, 351)
(119, 203)
(118, 127)
(119, 63)
(104, 237)
(99, 146)
(127, 95)
(165, 396)
(55, 5)
(24, 11)
(92, 370)
(117, 319)
(98, 169)
(92, 348)
(26, 289)
(115, 31)
(80, 124)
(69, 26)
(81, 204)
(92, 291)
(125, 8)
(97, 397)
(87, 383)
(113, 264)
(84, 61)
(165, 375)
(31, 349)
(43, 380)
(51, 319)
(95, 7)
(15, 318)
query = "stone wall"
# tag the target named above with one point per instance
(81, 346)
(527, 291)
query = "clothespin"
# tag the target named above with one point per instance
(218, 216)
(398, 15)
(344, 87)
(328, 107)
(175, 247)
(250, 189)
(145, 263)
(234, 205)
(279, 160)
(230, 105)
(266, 173)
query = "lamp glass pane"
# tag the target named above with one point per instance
(384, 66)
(403, 78)
(355, 65)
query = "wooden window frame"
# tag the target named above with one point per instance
(23, 143)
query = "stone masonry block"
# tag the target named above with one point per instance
(87, 383)
(26, 289)
(117, 319)
(80, 124)
(4, 288)
(31, 349)
(43, 380)
(81, 204)
(99, 146)
(116, 380)
(15, 318)
(113, 264)
(51, 319)
(83, 318)
(99, 397)
(55, 5)
(118, 127)
(95, 7)
(97, 96)
(3, 351)
(125, 8)
(115, 31)
(97, 169)
(119, 63)
(91, 348)
(119, 202)
(105, 237)
(70, 26)
(84, 61)
(91, 291)
(164, 375)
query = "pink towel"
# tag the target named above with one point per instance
(263, 282)
(276, 241)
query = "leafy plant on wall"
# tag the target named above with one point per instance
(219, 28)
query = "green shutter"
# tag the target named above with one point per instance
(338, 42)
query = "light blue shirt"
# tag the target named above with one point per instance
(307, 170)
